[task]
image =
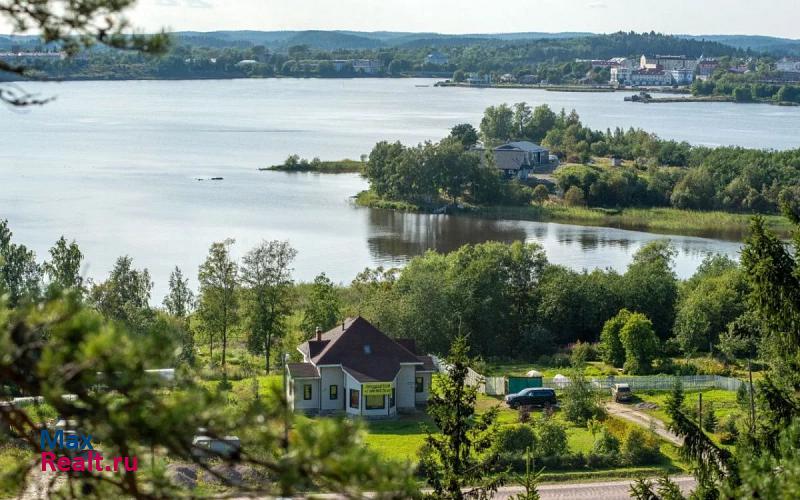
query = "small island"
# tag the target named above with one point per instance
(296, 164)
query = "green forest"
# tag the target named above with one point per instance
(551, 59)
(655, 172)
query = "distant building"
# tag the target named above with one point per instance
(519, 159)
(508, 78)
(706, 67)
(667, 63)
(478, 80)
(246, 62)
(622, 62)
(340, 65)
(437, 59)
(682, 76)
(620, 75)
(529, 79)
(788, 65)
(367, 66)
(649, 78)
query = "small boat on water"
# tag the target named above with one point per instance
(640, 97)
(209, 178)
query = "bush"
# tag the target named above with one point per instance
(551, 438)
(729, 429)
(606, 443)
(709, 417)
(602, 461)
(574, 197)
(578, 402)
(515, 438)
(640, 447)
(582, 352)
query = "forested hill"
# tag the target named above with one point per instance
(577, 44)
(218, 55)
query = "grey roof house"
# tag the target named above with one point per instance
(519, 158)
(357, 370)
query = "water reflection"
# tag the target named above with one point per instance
(394, 235)
(394, 238)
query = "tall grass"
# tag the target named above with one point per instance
(660, 220)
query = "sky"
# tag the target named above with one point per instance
(765, 17)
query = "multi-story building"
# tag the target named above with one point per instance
(650, 78)
(667, 63)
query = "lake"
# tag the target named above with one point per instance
(114, 165)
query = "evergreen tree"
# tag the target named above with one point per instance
(458, 456)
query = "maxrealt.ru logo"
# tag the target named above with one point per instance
(80, 454)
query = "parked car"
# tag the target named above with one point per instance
(206, 446)
(533, 396)
(621, 393)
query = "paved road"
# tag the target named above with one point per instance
(606, 490)
(641, 418)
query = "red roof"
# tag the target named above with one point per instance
(362, 350)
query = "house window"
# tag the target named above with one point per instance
(334, 392)
(420, 384)
(307, 392)
(374, 402)
(354, 395)
(391, 399)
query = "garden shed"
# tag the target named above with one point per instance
(531, 379)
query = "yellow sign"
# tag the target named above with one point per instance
(377, 389)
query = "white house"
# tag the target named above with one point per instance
(787, 65)
(357, 370)
(437, 59)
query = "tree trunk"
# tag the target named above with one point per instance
(267, 349)
(224, 346)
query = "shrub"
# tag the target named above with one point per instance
(524, 415)
(728, 428)
(515, 438)
(551, 437)
(601, 461)
(640, 447)
(606, 443)
(581, 353)
(709, 417)
(574, 197)
(579, 403)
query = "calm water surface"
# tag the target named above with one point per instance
(114, 165)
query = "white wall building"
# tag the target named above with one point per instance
(357, 370)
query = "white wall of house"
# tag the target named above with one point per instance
(332, 376)
(404, 387)
(422, 397)
(300, 403)
(351, 383)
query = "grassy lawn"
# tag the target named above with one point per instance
(10, 456)
(724, 402)
(593, 369)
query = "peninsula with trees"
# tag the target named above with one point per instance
(625, 178)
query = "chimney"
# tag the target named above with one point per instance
(319, 334)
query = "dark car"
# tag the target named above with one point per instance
(534, 396)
